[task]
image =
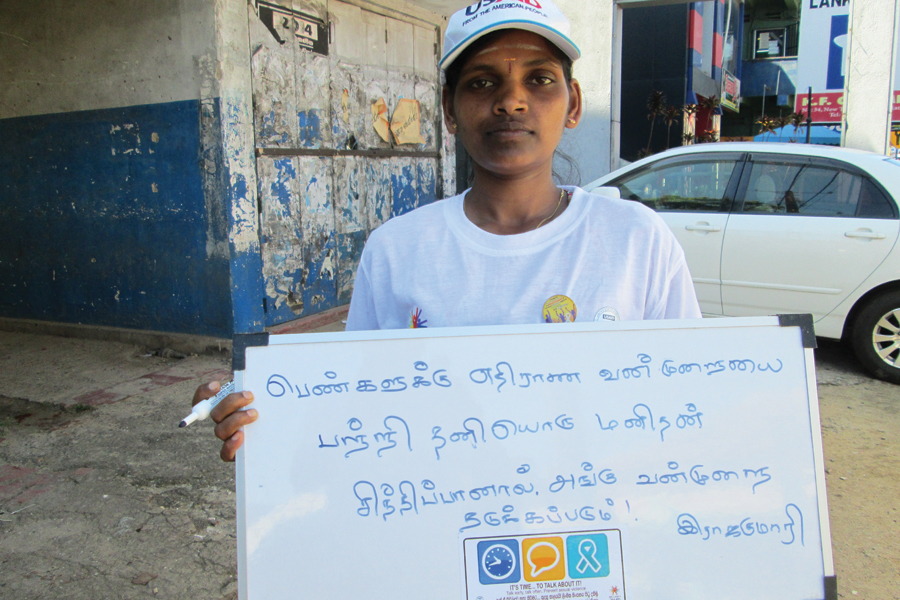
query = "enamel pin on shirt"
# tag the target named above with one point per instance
(559, 309)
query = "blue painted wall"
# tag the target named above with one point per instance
(105, 223)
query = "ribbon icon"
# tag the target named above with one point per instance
(587, 550)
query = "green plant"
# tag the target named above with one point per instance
(798, 120)
(782, 122)
(670, 116)
(656, 104)
(766, 124)
(710, 104)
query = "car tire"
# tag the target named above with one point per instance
(876, 337)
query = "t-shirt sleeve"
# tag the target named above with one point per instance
(362, 304)
(681, 300)
(673, 297)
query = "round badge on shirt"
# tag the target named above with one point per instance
(607, 313)
(560, 309)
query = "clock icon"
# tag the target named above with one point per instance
(499, 562)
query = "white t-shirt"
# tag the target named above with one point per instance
(432, 267)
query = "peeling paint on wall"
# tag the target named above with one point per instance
(274, 89)
(349, 108)
(314, 232)
(212, 171)
(448, 163)
(427, 95)
(238, 159)
(310, 128)
(404, 183)
(313, 77)
(349, 197)
(125, 138)
(378, 193)
(281, 243)
(351, 220)
(426, 182)
(317, 286)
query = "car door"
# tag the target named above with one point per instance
(805, 232)
(693, 195)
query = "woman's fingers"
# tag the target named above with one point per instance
(230, 404)
(228, 428)
(231, 445)
(205, 391)
(228, 416)
(232, 423)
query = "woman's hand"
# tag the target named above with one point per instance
(228, 416)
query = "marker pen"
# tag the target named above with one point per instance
(202, 409)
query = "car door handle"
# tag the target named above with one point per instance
(865, 233)
(702, 227)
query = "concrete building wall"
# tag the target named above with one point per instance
(595, 31)
(67, 56)
(111, 203)
(868, 84)
(128, 189)
(129, 186)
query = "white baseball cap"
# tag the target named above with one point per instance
(538, 16)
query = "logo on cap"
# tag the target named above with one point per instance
(471, 10)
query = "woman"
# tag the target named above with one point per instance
(515, 248)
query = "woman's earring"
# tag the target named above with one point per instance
(572, 121)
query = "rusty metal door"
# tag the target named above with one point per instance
(326, 177)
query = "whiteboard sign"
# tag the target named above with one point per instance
(642, 459)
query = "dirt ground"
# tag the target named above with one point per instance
(861, 436)
(102, 496)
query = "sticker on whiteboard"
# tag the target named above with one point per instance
(544, 566)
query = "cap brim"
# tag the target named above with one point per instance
(567, 46)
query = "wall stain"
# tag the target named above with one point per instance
(268, 130)
(310, 128)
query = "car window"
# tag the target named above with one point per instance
(684, 184)
(873, 203)
(809, 189)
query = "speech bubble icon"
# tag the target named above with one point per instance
(542, 556)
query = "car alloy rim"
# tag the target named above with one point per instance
(886, 337)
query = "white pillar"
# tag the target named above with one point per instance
(594, 29)
(868, 84)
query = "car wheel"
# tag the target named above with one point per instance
(876, 337)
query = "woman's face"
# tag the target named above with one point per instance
(511, 104)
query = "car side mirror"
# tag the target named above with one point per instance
(612, 192)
